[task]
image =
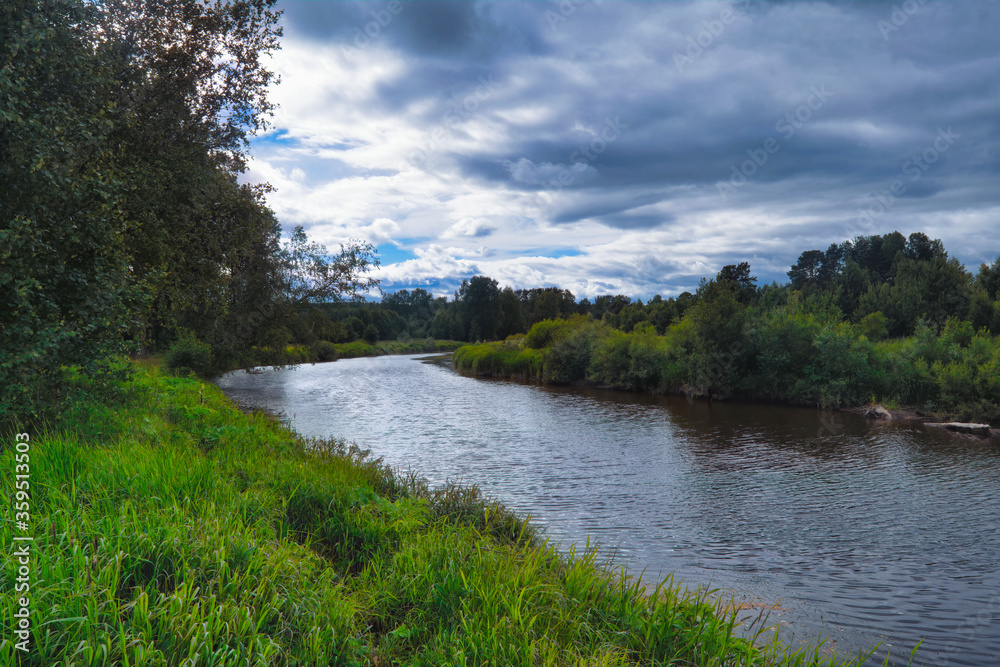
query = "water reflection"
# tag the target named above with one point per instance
(867, 532)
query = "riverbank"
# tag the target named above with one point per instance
(169, 525)
(953, 375)
(324, 351)
(191, 356)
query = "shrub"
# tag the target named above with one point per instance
(874, 326)
(547, 332)
(326, 351)
(189, 355)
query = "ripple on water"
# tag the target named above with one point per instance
(867, 533)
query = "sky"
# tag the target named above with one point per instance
(612, 147)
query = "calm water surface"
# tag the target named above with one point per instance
(860, 532)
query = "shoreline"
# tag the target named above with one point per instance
(907, 413)
(313, 550)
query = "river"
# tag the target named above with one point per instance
(860, 532)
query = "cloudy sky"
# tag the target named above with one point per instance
(632, 147)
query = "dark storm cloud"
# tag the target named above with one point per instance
(805, 108)
(439, 29)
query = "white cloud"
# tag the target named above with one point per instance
(469, 227)
(410, 148)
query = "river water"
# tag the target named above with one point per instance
(859, 532)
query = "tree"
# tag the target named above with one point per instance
(479, 304)
(876, 254)
(191, 88)
(851, 285)
(512, 316)
(737, 278)
(922, 249)
(807, 270)
(62, 276)
(816, 267)
(984, 309)
(314, 276)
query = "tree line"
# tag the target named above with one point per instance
(877, 318)
(890, 282)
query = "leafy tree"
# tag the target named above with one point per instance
(920, 248)
(609, 304)
(191, 89)
(984, 309)
(63, 286)
(446, 325)
(807, 270)
(512, 318)
(737, 279)
(851, 285)
(816, 267)
(480, 306)
(314, 276)
(876, 254)
(988, 278)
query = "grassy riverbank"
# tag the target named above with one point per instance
(324, 351)
(168, 526)
(189, 354)
(786, 356)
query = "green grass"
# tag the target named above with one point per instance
(172, 529)
(499, 360)
(360, 348)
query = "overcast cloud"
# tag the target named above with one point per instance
(620, 147)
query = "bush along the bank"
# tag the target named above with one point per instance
(800, 352)
(170, 528)
(189, 355)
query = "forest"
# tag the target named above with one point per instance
(882, 318)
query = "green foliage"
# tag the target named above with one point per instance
(326, 351)
(569, 354)
(874, 326)
(545, 333)
(499, 360)
(63, 290)
(187, 354)
(480, 304)
(798, 352)
(312, 275)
